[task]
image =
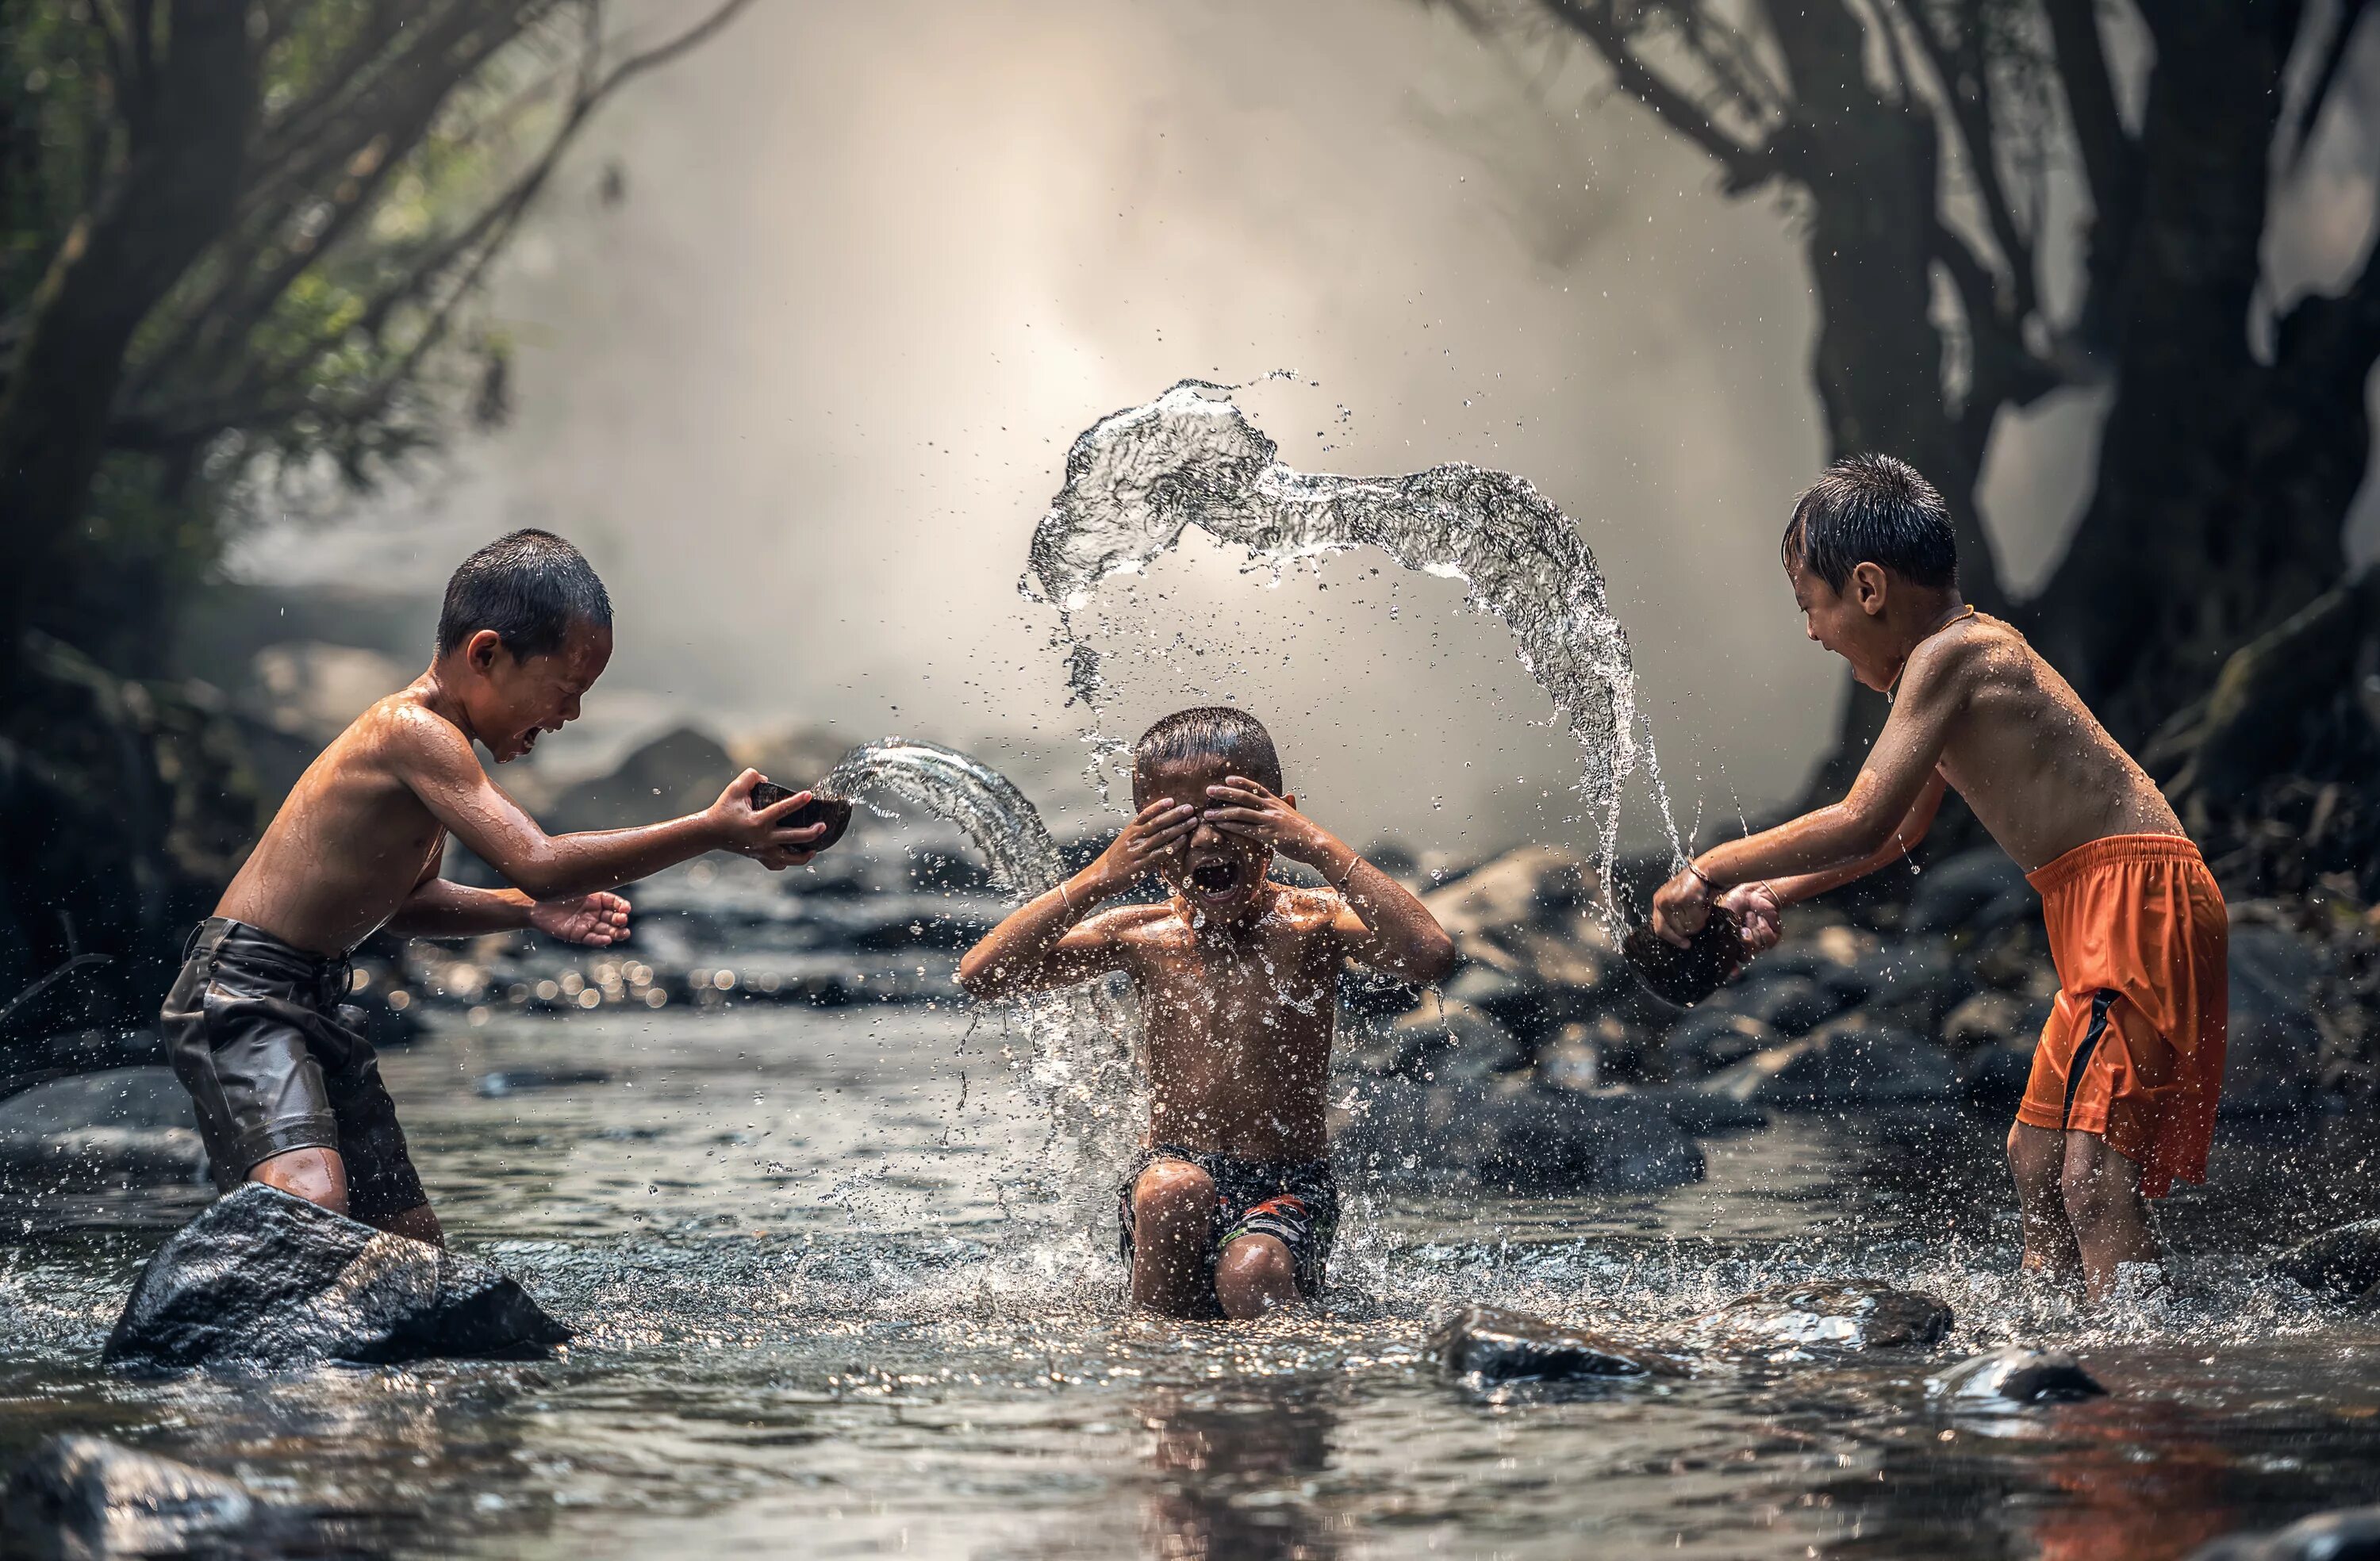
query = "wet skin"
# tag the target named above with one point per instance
(358, 844)
(1238, 982)
(1976, 708)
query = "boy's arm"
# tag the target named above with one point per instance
(435, 759)
(1912, 830)
(1888, 790)
(1046, 942)
(1380, 923)
(440, 908)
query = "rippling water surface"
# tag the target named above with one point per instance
(842, 1291)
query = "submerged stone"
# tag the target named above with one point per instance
(2349, 1536)
(2342, 1264)
(2015, 1375)
(85, 1497)
(267, 1281)
(1481, 1346)
(119, 1127)
(1826, 1313)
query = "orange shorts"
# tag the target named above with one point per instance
(2133, 1050)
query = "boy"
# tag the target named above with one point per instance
(2122, 1095)
(287, 1093)
(1231, 1204)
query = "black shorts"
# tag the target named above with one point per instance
(256, 1034)
(1297, 1204)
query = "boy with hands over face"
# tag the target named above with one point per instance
(1232, 1206)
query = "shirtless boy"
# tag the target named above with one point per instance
(287, 1093)
(2122, 1095)
(1231, 1205)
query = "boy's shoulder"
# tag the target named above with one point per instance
(1961, 654)
(401, 722)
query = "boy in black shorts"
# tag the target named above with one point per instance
(287, 1092)
(1231, 1205)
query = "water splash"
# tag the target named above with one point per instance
(1138, 479)
(1086, 1037)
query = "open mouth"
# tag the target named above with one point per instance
(1216, 879)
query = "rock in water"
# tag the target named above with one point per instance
(117, 1127)
(2014, 1376)
(268, 1281)
(83, 1496)
(2351, 1535)
(1484, 1345)
(1829, 1313)
(2339, 1265)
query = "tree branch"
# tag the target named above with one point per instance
(2110, 156)
(1965, 88)
(1747, 167)
(2334, 54)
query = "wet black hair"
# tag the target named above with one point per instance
(1872, 509)
(529, 586)
(1210, 731)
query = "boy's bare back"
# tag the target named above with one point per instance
(2016, 741)
(354, 839)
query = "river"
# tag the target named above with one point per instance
(842, 1291)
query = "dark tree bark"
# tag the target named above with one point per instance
(2223, 481)
(190, 113)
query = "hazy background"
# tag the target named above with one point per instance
(803, 392)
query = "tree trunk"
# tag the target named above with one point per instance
(173, 196)
(2222, 483)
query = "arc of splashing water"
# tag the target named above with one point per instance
(1138, 479)
(1023, 860)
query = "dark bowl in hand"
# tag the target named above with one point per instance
(832, 812)
(1685, 976)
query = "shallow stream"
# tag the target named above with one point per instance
(841, 1292)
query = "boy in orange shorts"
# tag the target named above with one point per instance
(2121, 1099)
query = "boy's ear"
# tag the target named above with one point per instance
(1867, 586)
(479, 650)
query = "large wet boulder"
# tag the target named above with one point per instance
(1974, 892)
(2349, 1536)
(81, 1498)
(2274, 1051)
(1824, 1314)
(266, 1282)
(121, 1128)
(1851, 1062)
(2342, 1264)
(1483, 1346)
(682, 770)
(2013, 1376)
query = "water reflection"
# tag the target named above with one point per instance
(1233, 1474)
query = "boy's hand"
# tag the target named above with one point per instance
(753, 833)
(597, 920)
(1240, 806)
(1155, 830)
(1681, 907)
(1758, 913)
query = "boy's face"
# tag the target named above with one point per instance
(1218, 872)
(511, 699)
(1850, 622)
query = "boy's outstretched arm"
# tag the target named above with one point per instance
(439, 908)
(1380, 922)
(432, 759)
(1859, 831)
(1046, 942)
(1912, 830)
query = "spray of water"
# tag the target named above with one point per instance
(1137, 480)
(1084, 1038)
